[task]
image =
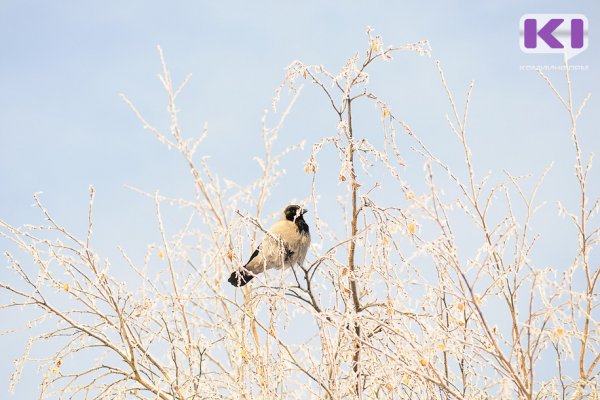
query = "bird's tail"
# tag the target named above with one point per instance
(240, 278)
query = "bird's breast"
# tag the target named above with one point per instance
(302, 226)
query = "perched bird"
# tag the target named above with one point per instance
(286, 244)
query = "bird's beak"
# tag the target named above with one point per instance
(304, 211)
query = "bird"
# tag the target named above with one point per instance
(285, 244)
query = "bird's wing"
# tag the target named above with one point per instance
(296, 243)
(257, 262)
(253, 256)
(272, 252)
(277, 249)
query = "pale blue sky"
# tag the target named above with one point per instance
(64, 127)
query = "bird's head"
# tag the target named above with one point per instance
(293, 212)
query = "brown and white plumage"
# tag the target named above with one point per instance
(286, 244)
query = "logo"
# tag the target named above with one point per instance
(554, 33)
